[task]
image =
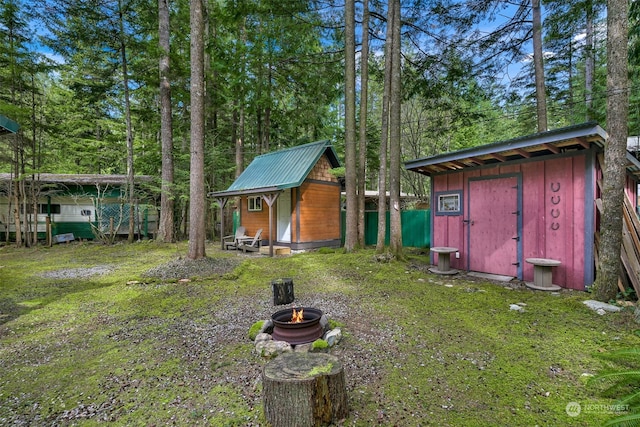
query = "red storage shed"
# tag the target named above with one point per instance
(529, 197)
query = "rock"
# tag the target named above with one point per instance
(302, 348)
(333, 337)
(601, 311)
(596, 305)
(267, 326)
(515, 307)
(260, 347)
(271, 349)
(324, 322)
(263, 337)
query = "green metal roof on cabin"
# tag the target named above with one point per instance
(7, 125)
(281, 169)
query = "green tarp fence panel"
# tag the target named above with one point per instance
(416, 228)
(236, 221)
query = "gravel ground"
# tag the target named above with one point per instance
(210, 343)
(368, 344)
(182, 268)
(78, 273)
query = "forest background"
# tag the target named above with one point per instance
(105, 86)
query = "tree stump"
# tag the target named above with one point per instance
(304, 389)
(282, 291)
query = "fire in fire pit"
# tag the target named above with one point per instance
(297, 316)
(297, 326)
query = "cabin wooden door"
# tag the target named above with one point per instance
(493, 225)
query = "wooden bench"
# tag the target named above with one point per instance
(542, 274)
(444, 260)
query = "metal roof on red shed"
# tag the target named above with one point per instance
(578, 137)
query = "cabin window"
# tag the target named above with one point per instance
(44, 208)
(449, 203)
(254, 203)
(85, 212)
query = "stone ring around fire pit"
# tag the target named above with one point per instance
(281, 333)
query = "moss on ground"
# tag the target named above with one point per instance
(319, 345)
(255, 329)
(122, 347)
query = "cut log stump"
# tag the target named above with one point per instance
(282, 291)
(304, 389)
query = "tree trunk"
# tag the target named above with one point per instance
(197, 210)
(395, 135)
(384, 135)
(166, 226)
(362, 146)
(238, 135)
(127, 112)
(304, 389)
(589, 62)
(239, 103)
(538, 63)
(25, 209)
(615, 150)
(351, 235)
(16, 214)
(267, 114)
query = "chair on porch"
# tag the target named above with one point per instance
(231, 241)
(251, 245)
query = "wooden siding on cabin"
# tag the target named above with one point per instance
(321, 171)
(319, 211)
(255, 220)
(553, 215)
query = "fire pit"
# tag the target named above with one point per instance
(297, 326)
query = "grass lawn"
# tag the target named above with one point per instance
(88, 337)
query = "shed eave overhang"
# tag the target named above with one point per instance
(633, 167)
(578, 137)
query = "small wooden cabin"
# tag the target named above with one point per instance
(529, 197)
(291, 195)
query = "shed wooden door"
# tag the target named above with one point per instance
(493, 225)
